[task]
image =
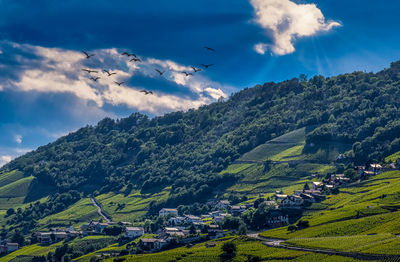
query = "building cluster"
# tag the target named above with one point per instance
(7, 247)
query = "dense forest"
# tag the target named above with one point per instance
(186, 150)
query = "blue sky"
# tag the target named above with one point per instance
(44, 94)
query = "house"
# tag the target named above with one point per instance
(223, 204)
(168, 211)
(176, 221)
(219, 219)
(317, 185)
(192, 219)
(94, 227)
(307, 198)
(8, 247)
(151, 243)
(237, 210)
(280, 196)
(276, 218)
(216, 233)
(297, 192)
(133, 232)
(47, 238)
(215, 213)
(375, 167)
(292, 201)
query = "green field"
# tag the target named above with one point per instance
(135, 204)
(81, 212)
(376, 244)
(15, 193)
(246, 249)
(28, 252)
(9, 177)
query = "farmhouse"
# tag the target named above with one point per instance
(223, 204)
(276, 218)
(192, 219)
(168, 211)
(176, 221)
(151, 243)
(8, 247)
(47, 238)
(317, 185)
(292, 201)
(133, 232)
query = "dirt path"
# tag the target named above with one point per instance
(280, 243)
(100, 211)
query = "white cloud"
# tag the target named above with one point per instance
(286, 21)
(18, 139)
(60, 72)
(4, 160)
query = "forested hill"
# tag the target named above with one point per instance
(186, 150)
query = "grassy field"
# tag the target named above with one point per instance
(14, 193)
(392, 158)
(31, 251)
(245, 249)
(132, 206)
(81, 212)
(28, 252)
(9, 177)
(356, 243)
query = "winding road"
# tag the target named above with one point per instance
(280, 243)
(100, 211)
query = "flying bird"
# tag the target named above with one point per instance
(161, 73)
(206, 66)
(187, 74)
(209, 49)
(95, 78)
(119, 83)
(135, 59)
(87, 55)
(128, 54)
(109, 73)
(90, 71)
(196, 69)
(146, 92)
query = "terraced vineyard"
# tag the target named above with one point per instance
(362, 217)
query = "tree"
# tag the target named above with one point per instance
(229, 251)
(10, 211)
(242, 230)
(292, 228)
(303, 224)
(306, 186)
(192, 230)
(17, 237)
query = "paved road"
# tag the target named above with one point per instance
(280, 243)
(100, 211)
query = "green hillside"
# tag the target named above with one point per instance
(363, 217)
(276, 136)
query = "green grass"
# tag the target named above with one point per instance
(15, 193)
(31, 251)
(245, 248)
(392, 158)
(356, 243)
(235, 168)
(135, 204)
(293, 153)
(10, 177)
(81, 212)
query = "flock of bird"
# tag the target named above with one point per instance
(135, 58)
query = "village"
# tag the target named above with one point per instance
(185, 229)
